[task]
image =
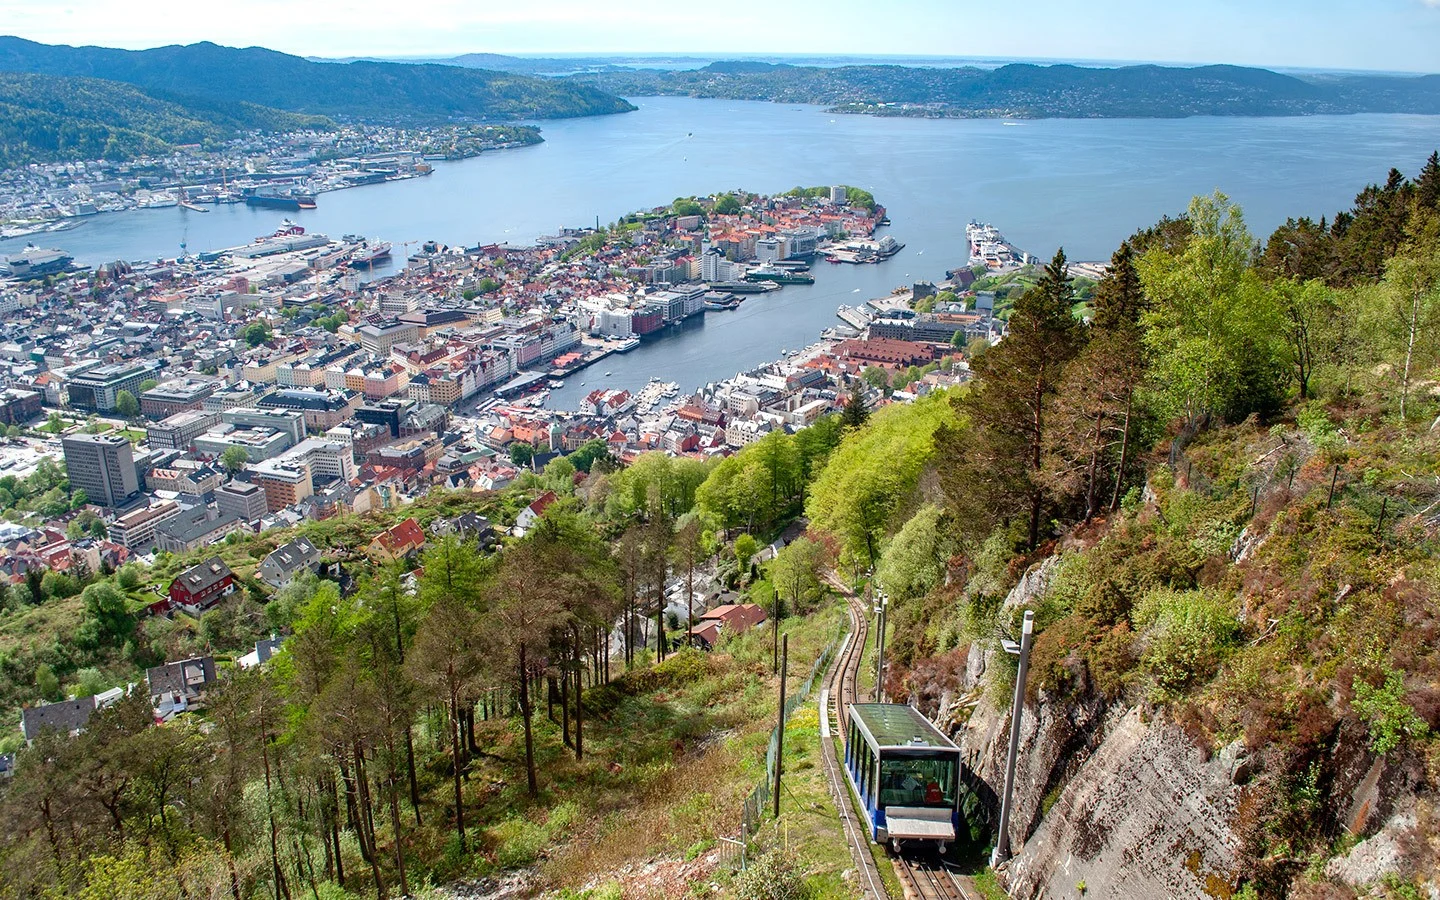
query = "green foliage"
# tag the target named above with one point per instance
(857, 407)
(796, 573)
(1386, 714)
(256, 333)
(1213, 327)
(656, 480)
(867, 482)
(774, 875)
(588, 453)
(727, 205)
(914, 560)
(49, 118)
(234, 459)
(745, 549)
(126, 405)
(1188, 635)
(225, 83)
(686, 206)
(521, 453)
(46, 682)
(107, 616)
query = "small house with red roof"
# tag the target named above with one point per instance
(202, 586)
(532, 513)
(398, 541)
(732, 618)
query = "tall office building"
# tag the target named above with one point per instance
(103, 466)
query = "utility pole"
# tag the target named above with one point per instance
(882, 604)
(780, 731)
(1027, 635)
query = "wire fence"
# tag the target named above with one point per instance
(759, 800)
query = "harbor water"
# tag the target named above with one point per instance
(1084, 184)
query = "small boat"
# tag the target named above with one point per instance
(607, 374)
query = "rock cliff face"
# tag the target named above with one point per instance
(1127, 807)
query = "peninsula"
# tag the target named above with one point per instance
(1033, 91)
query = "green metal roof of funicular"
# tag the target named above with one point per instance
(896, 725)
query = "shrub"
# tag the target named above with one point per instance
(1386, 714)
(774, 875)
(1188, 634)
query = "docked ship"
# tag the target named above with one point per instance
(280, 198)
(34, 262)
(370, 255)
(989, 248)
(778, 276)
(744, 287)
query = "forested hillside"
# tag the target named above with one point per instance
(45, 118)
(365, 91)
(1224, 493)
(1026, 90)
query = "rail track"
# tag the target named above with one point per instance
(921, 878)
(929, 879)
(838, 694)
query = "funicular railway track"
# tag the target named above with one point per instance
(839, 693)
(928, 879)
(921, 878)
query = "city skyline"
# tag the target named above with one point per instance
(1398, 35)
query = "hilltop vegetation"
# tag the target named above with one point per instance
(46, 118)
(362, 91)
(1228, 477)
(1025, 90)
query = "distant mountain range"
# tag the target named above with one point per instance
(365, 91)
(1033, 91)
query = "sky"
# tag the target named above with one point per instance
(1382, 35)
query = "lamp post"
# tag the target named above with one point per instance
(882, 603)
(1022, 650)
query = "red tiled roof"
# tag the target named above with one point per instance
(401, 538)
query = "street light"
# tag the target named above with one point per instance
(1022, 650)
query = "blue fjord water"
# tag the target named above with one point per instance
(1081, 183)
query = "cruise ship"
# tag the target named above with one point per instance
(369, 255)
(988, 246)
(33, 262)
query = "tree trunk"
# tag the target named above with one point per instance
(367, 836)
(455, 759)
(1124, 453)
(1411, 337)
(564, 678)
(333, 805)
(414, 782)
(281, 888)
(531, 781)
(395, 825)
(1092, 474)
(579, 712)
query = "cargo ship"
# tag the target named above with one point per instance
(279, 198)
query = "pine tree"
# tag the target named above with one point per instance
(857, 410)
(996, 470)
(1427, 185)
(1092, 412)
